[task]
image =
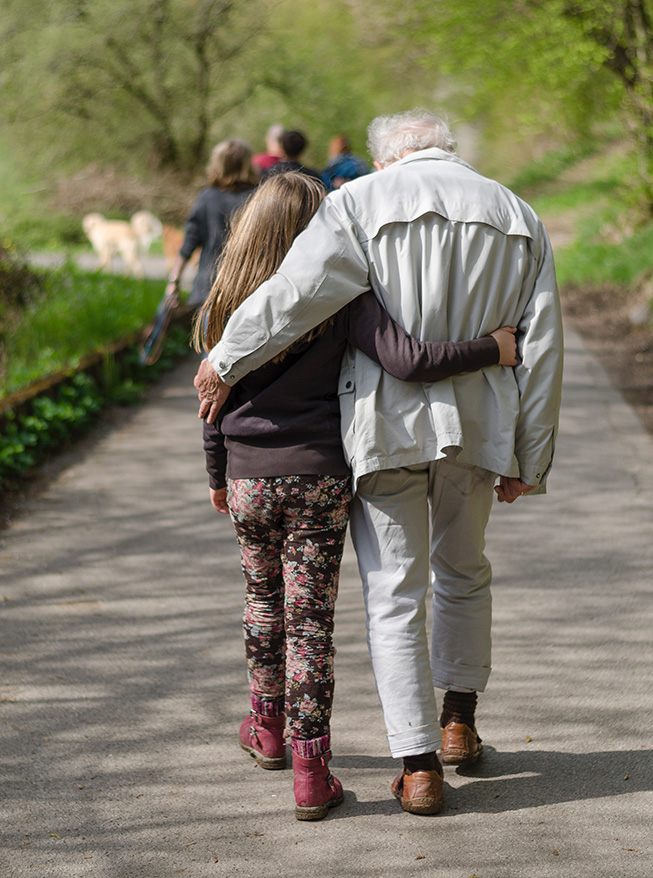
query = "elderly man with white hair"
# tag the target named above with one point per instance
(451, 255)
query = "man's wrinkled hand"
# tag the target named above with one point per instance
(510, 488)
(212, 392)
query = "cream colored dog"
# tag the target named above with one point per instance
(128, 239)
(147, 227)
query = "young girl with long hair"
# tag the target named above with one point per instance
(276, 464)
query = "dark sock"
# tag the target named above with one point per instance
(458, 707)
(422, 762)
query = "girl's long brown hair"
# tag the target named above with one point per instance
(261, 234)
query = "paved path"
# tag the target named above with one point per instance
(123, 679)
(154, 265)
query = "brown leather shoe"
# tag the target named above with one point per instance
(460, 744)
(419, 792)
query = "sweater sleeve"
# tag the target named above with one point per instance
(196, 229)
(216, 455)
(373, 331)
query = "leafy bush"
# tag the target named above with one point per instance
(48, 423)
(19, 286)
(49, 231)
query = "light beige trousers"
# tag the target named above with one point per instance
(415, 527)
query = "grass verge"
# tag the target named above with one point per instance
(612, 238)
(66, 322)
(72, 315)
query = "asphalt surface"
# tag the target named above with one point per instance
(154, 265)
(123, 680)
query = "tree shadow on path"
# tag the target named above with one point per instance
(506, 781)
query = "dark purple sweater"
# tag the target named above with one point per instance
(284, 418)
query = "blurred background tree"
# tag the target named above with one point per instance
(148, 88)
(139, 84)
(554, 70)
(153, 85)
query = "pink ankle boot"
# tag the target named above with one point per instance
(316, 789)
(262, 738)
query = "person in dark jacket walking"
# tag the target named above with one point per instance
(293, 144)
(231, 179)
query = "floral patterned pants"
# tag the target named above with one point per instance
(291, 531)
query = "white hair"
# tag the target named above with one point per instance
(391, 137)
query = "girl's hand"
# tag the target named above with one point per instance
(219, 500)
(505, 338)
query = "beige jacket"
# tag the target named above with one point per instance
(452, 255)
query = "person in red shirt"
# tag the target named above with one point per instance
(274, 153)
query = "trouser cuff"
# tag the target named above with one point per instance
(447, 675)
(414, 742)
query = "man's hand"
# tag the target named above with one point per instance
(212, 392)
(219, 500)
(510, 488)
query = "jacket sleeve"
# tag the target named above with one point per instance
(373, 331)
(539, 373)
(196, 229)
(323, 271)
(216, 455)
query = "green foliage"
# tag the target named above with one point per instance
(155, 86)
(550, 68)
(529, 60)
(612, 241)
(47, 230)
(109, 79)
(331, 74)
(75, 314)
(26, 438)
(19, 285)
(25, 213)
(549, 168)
(57, 319)
(590, 260)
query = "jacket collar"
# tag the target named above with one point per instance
(432, 153)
